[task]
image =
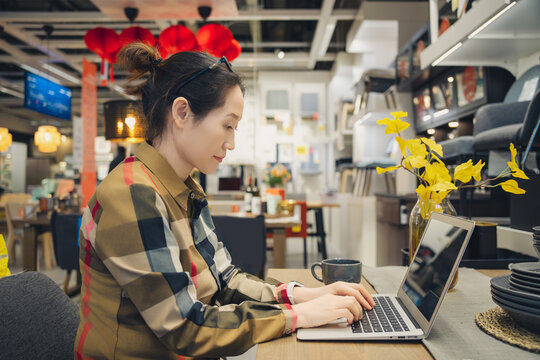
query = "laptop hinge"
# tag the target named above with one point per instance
(408, 313)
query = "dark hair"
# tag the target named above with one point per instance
(204, 93)
(121, 149)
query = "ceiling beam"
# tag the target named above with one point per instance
(95, 16)
(55, 53)
(243, 60)
(323, 33)
(79, 44)
(15, 122)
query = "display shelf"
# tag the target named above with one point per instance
(513, 35)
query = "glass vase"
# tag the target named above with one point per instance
(418, 220)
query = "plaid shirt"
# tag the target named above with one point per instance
(157, 283)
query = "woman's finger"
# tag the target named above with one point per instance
(345, 313)
(350, 289)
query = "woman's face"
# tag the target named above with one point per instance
(204, 143)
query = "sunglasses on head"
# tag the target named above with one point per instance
(196, 75)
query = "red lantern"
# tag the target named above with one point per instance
(233, 51)
(137, 33)
(214, 38)
(176, 38)
(105, 43)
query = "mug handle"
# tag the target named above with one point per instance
(313, 271)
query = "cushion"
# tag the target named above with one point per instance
(460, 146)
(498, 138)
(525, 86)
(500, 114)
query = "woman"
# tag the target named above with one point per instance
(157, 283)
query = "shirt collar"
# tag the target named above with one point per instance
(161, 169)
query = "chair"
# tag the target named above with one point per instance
(245, 239)
(498, 124)
(25, 211)
(65, 234)
(14, 234)
(300, 210)
(514, 120)
(37, 320)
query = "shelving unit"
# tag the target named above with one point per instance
(513, 35)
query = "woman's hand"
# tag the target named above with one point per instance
(328, 307)
(358, 291)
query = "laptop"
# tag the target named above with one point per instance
(411, 313)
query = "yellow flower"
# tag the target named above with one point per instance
(393, 126)
(516, 171)
(423, 192)
(418, 151)
(383, 170)
(417, 161)
(438, 196)
(435, 173)
(464, 172)
(416, 147)
(399, 114)
(436, 148)
(444, 186)
(511, 186)
(477, 169)
(402, 145)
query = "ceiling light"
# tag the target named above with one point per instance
(431, 131)
(5, 139)
(484, 25)
(61, 73)
(441, 112)
(446, 54)
(281, 54)
(123, 121)
(453, 124)
(47, 139)
(450, 79)
(426, 117)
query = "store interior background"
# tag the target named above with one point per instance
(293, 105)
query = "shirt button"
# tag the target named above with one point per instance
(192, 195)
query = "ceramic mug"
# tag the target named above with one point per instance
(338, 270)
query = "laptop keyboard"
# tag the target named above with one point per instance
(384, 317)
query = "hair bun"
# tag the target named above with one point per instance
(138, 59)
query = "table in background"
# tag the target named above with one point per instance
(317, 207)
(289, 348)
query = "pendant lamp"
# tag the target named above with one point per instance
(47, 138)
(123, 120)
(5, 139)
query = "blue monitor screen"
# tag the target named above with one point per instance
(46, 97)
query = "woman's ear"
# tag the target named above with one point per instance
(180, 112)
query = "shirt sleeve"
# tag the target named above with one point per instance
(137, 246)
(236, 285)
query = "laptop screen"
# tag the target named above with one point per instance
(431, 268)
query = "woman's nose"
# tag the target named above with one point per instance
(229, 144)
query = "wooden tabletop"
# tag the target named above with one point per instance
(289, 347)
(320, 205)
